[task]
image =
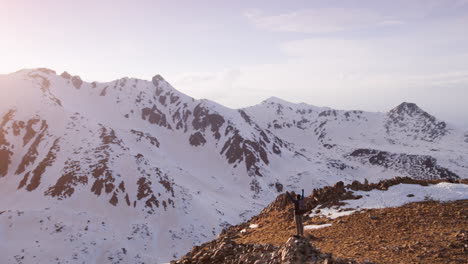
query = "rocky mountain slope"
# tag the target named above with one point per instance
(135, 171)
(424, 222)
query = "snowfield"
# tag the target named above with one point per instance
(134, 171)
(396, 196)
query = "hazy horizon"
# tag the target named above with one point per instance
(353, 55)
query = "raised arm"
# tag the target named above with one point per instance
(302, 193)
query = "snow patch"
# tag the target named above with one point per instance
(396, 196)
(253, 226)
(312, 227)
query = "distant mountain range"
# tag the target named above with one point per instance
(136, 171)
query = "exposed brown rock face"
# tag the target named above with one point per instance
(30, 157)
(180, 117)
(145, 191)
(40, 169)
(102, 178)
(154, 116)
(103, 91)
(65, 75)
(104, 182)
(76, 81)
(237, 149)
(30, 132)
(66, 184)
(5, 152)
(197, 139)
(202, 118)
(24, 180)
(162, 100)
(414, 165)
(140, 136)
(233, 148)
(102, 174)
(174, 98)
(114, 200)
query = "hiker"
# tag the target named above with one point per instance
(299, 210)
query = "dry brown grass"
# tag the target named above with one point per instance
(427, 232)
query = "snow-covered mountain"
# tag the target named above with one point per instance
(135, 171)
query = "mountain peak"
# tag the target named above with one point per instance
(157, 80)
(277, 100)
(409, 109)
(65, 75)
(406, 107)
(76, 80)
(409, 118)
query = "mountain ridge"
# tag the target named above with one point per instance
(183, 169)
(158, 77)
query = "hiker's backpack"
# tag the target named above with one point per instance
(302, 207)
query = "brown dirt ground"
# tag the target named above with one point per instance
(426, 232)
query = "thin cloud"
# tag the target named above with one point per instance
(321, 20)
(427, 65)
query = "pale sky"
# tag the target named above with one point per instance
(368, 55)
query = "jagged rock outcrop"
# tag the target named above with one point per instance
(297, 250)
(326, 197)
(300, 250)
